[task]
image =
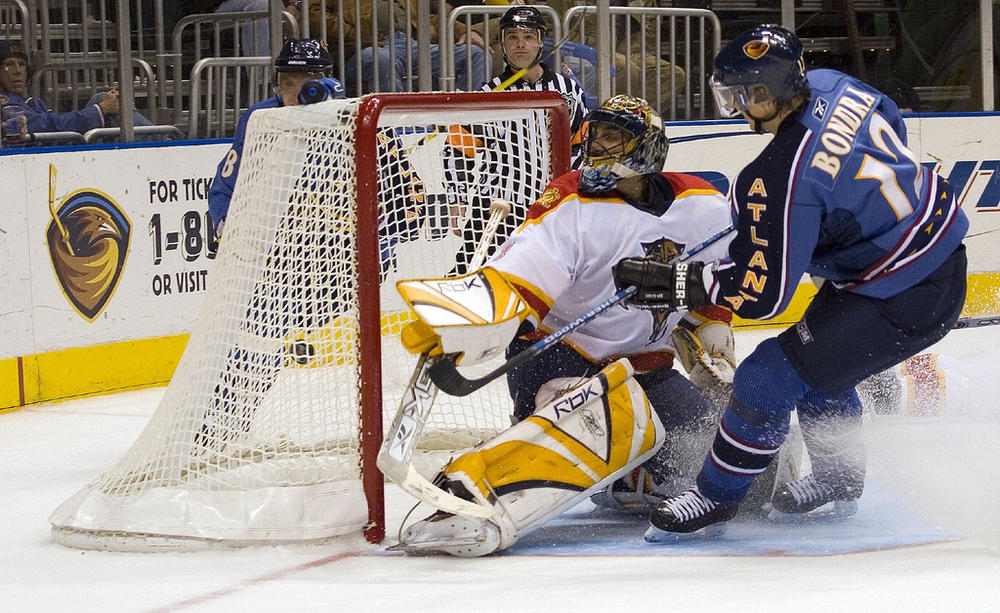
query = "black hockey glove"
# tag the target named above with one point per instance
(676, 286)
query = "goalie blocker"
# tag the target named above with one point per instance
(570, 448)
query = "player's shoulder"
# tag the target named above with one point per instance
(826, 79)
(686, 185)
(558, 191)
(267, 103)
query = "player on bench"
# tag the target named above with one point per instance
(597, 406)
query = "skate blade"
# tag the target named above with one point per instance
(838, 509)
(435, 547)
(661, 537)
(454, 535)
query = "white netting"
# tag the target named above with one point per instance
(257, 437)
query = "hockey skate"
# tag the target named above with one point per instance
(442, 532)
(637, 493)
(809, 498)
(688, 515)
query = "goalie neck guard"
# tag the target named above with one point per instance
(625, 138)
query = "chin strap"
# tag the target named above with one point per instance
(757, 123)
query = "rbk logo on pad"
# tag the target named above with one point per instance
(88, 241)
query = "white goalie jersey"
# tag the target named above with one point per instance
(560, 260)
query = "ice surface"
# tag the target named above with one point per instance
(926, 537)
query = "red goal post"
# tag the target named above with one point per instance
(366, 160)
(270, 428)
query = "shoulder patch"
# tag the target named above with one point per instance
(556, 192)
(549, 197)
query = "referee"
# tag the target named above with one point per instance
(516, 160)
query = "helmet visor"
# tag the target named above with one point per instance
(731, 99)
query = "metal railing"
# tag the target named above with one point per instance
(16, 21)
(210, 35)
(71, 84)
(231, 85)
(663, 54)
(105, 135)
(697, 32)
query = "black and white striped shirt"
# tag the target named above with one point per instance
(565, 86)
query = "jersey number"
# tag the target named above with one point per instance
(227, 169)
(880, 132)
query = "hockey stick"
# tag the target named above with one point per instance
(445, 374)
(977, 322)
(697, 137)
(394, 458)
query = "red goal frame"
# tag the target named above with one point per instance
(369, 326)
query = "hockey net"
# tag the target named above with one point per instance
(269, 430)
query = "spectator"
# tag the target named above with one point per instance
(394, 64)
(255, 36)
(101, 111)
(643, 63)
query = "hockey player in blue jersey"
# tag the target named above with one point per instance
(836, 194)
(300, 61)
(302, 68)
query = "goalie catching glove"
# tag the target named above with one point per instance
(675, 286)
(475, 316)
(705, 346)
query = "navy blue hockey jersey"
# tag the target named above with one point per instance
(836, 194)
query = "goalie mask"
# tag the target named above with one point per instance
(624, 138)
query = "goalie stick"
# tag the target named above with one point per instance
(394, 458)
(445, 374)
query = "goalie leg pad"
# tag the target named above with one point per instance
(568, 449)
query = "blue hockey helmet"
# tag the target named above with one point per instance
(304, 55)
(763, 63)
(625, 138)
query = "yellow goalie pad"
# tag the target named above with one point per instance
(475, 315)
(574, 445)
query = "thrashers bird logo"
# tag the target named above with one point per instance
(661, 250)
(756, 49)
(88, 241)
